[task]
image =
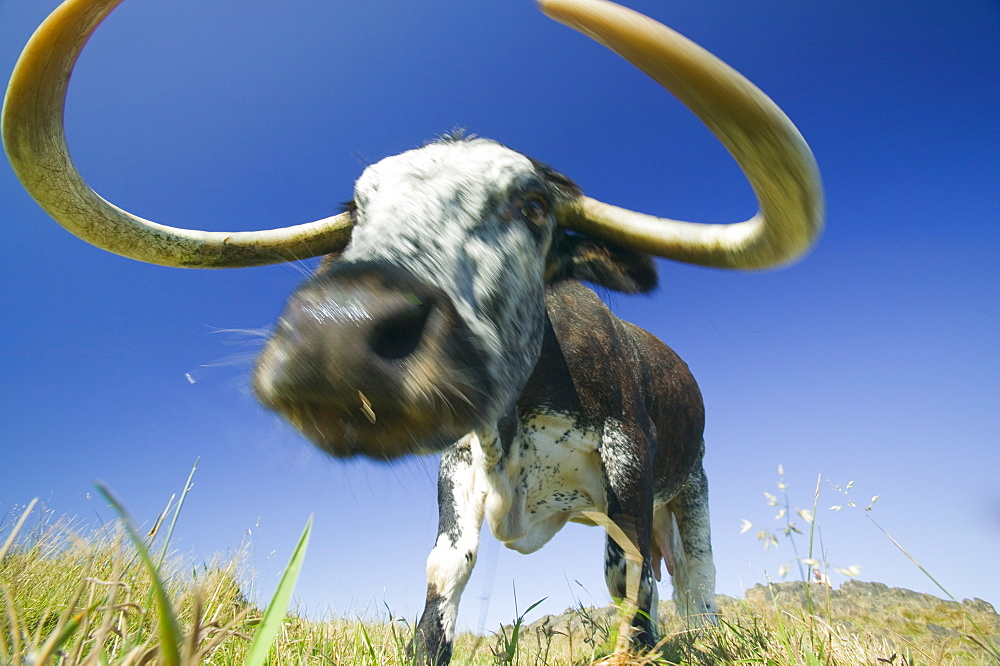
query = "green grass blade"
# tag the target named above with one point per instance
(177, 513)
(510, 647)
(56, 640)
(368, 643)
(275, 612)
(169, 629)
(170, 530)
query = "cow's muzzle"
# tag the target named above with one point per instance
(369, 360)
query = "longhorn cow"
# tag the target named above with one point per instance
(447, 315)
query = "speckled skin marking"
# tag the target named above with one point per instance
(455, 315)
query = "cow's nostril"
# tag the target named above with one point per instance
(399, 334)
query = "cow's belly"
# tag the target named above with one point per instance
(552, 472)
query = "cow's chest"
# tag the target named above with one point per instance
(550, 473)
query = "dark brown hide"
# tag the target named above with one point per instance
(594, 365)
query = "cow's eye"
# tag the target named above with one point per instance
(534, 210)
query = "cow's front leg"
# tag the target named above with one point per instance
(645, 629)
(460, 515)
(629, 486)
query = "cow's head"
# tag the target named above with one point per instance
(430, 321)
(426, 318)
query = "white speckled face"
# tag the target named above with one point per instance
(430, 322)
(470, 217)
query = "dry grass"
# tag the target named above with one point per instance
(863, 623)
(75, 599)
(73, 596)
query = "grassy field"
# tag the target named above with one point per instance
(69, 596)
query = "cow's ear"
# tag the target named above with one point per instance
(581, 258)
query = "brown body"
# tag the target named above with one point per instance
(594, 364)
(610, 421)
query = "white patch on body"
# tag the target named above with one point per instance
(619, 454)
(551, 473)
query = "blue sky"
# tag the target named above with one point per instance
(874, 360)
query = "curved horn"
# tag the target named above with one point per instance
(773, 155)
(35, 141)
